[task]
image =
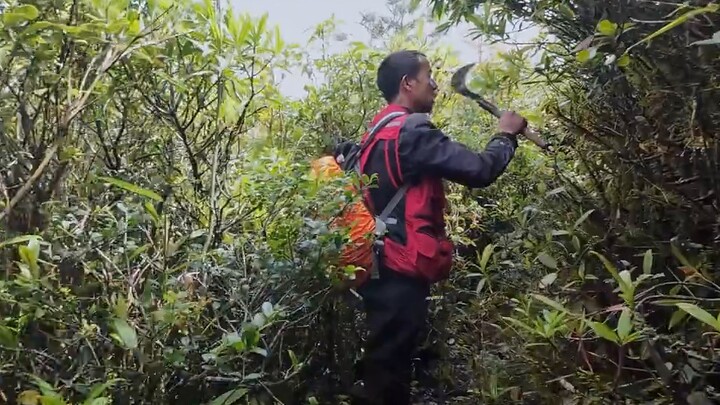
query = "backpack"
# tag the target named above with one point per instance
(367, 231)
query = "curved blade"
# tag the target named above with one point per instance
(458, 84)
(458, 79)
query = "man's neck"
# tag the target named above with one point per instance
(399, 104)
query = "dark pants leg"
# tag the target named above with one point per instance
(396, 308)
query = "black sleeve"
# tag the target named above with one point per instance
(424, 149)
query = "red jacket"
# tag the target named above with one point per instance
(411, 149)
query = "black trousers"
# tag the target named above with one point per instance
(396, 309)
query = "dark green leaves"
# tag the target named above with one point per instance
(230, 397)
(132, 188)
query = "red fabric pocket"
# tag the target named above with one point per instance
(433, 260)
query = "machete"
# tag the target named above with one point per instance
(458, 84)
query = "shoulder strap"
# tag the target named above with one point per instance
(383, 121)
(383, 217)
(382, 220)
(371, 136)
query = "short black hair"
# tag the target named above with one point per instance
(394, 67)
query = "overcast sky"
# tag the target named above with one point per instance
(297, 23)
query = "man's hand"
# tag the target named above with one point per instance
(512, 123)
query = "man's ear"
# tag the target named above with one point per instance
(405, 82)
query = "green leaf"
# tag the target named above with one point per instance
(626, 277)
(120, 309)
(710, 8)
(486, 254)
(676, 318)
(623, 60)
(648, 262)
(99, 401)
(624, 324)
(680, 256)
(668, 302)
(29, 255)
(45, 388)
(548, 280)
(235, 341)
(480, 285)
(547, 260)
(413, 5)
(519, 324)
(126, 333)
(230, 397)
(293, 358)
(19, 239)
(699, 314)
(93, 398)
(550, 302)
(259, 350)
(583, 56)
(576, 243)
(259, 320)
(582, 218)
(253, 376)
(586, 54)
(7, 337)
(133, 27)
(28, 397)
(604, 331)
(260, 29)
(581, 270)
(607, 27)
(132, 188)
(20, 14)
(611, 269)
(150, 208)
(55, 399)
(565, 10)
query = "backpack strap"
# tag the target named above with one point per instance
(381, 223)
(371, 136)
(384, 219)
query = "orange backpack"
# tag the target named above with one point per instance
(366, 229)
(358, 251)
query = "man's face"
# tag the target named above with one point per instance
(423, 89)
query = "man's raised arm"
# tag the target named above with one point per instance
(426, 150)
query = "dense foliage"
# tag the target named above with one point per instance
(162, 240)
(629, 85)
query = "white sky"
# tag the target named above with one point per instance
(297, 23)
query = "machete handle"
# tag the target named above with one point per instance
(528, 133)
(535, 138)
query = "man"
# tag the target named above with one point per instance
(416, 253)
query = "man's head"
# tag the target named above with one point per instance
(405, 78)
